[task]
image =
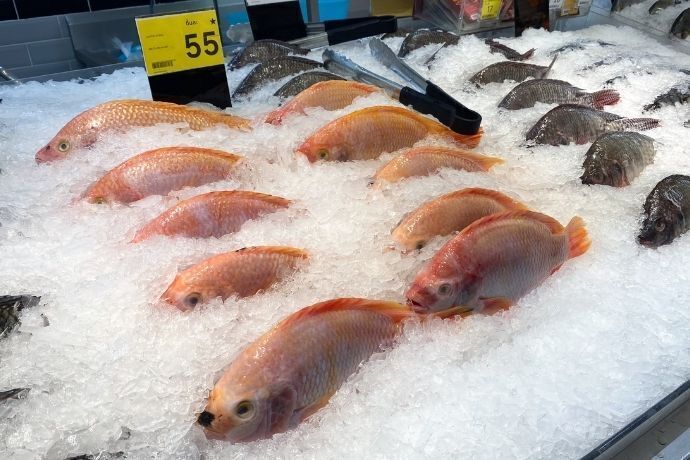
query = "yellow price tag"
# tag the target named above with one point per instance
(490, 9)
(180, 41)
(570, 8)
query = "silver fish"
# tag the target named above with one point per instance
(576, 123)
(262, 51)
(274, 69)
(528, 93)
(10, 306)
(507, 52)
(303, 81)
(681, 26)
(509, 70)
(617, 158)
(665, 209)
(661, 5)
(673, 96)
(14, 393)
(422, 37)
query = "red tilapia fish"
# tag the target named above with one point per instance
(84, 129)
(450, 213)
(293, 370)
(240, 273)
(330, 95)
(211, 214)
(160, 171)
(426, 159)
(495, 261)
(366, 134)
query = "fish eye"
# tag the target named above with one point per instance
(193, 299)
(244, 409)
(420, 244)
(322, 153)
(63, 146)
(660, 226)
(444, 289)
(98, 200)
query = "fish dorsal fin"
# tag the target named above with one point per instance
(280, 250)
(249, 195)
(397, 312)
(549, 221)
(501, 198)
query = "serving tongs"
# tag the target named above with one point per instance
(344, 30)
(427, 98)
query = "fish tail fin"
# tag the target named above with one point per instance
(527, 54)
(548, 69)
(577, 237)
(633, 124)
(467, 140)
(605, 97)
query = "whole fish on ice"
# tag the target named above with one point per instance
(617, 158)
(677, 95)
(330, 95)
(509, 70)
(303, 81)
(121, 115)
(528, 93)
(665, 211)
(495, 261)
(423, 37)
(576, 123)
(292, 371)
(449, 213)
(427, 159)
(263, 50)
(661, 5)
(212, 214)
(367, 133)
(10, 307)
(507, 52)
(274, 69)
(240, 273)
(160, 171)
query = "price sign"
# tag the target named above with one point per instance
(570, 8)
(181, 41)
(490, 9)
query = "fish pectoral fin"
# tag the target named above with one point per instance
(493, 305)
(282, 409)
(308, 411)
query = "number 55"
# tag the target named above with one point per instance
(210, 46)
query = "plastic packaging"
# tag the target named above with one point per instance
(463, 15)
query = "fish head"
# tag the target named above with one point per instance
(69, 139)
(407, 238)
(326, 145)
(242, 413)
(187, 294)
(438, 288)
(604, 173)
(661, 228)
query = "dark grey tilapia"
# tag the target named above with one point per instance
(671, 97)
(576, 123)
(681, 26)
(303, 81)
(274, 69)
(665, 209)
(509, 70)
(10, 306)
(396, 34)
(661, 5)
(262, 51)
(580, 45)
(507, 52)
(617, 158)
(528, 93)
(423, 37)
(14, 393)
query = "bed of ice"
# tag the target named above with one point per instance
(575, 360)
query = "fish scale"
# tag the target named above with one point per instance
(664, 211)
(509, 70)
(424, 37)
(617, 158)
(527, 93)
(274, 69)
(263, 50)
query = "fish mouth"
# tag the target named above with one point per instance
(46, 154)
(417, 307)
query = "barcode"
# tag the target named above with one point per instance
(161, 64)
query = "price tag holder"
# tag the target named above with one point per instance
(490, 9)
(183, 56)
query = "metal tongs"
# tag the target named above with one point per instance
(344, 30)
(427, 98)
